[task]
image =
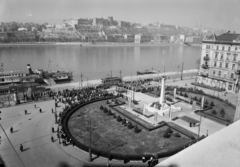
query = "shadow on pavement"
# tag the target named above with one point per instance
(25, 149)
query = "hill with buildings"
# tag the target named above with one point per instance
(102, 30)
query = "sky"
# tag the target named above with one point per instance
(224, 14)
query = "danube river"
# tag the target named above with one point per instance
(96, 62)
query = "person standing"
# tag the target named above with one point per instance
(11, 129)
(21, 147)
(52, 139)
(25, 112)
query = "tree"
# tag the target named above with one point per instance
(206, 102)
(105, 110)
(214, 112)
(222, 112)
(212, 104)
(185, 95)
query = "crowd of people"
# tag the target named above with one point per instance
(72, 98)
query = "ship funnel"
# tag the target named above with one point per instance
(29, 69)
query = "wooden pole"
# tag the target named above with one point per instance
(182, 70)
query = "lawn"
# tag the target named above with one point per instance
(112, 136)
(218, 106)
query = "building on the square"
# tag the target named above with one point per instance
(220, 62)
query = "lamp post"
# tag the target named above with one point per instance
(199, 127)
(182, 71)
(178, 71)
(90, 140)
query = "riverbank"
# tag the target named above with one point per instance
(171, 76)
(82, 44)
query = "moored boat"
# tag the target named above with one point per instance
(152, 71)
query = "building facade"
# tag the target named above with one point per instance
(220, 62)
(139, 38)
(193, 40)
(124, 24)
(129, 38)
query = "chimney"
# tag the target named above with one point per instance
(228, 32)
(29, 69)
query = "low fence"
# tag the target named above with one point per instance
(106, 154)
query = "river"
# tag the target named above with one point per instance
(96, 62)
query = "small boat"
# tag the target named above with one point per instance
(152, 71)
(50, 77)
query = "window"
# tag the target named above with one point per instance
(216, 55)
(221, 56)
(215, 64)
(234, 57)
(233, 66)
(235, 48)
(229, 48)
(217, 47)
(214, 72)
(228, 57)
(207, 55)
(220, 64)
(230, 86)
(232, 75)
(223, 48)
(219, 73)
(226, 65)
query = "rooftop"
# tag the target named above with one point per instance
(224, 38)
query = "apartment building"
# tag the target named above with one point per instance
(220, 62)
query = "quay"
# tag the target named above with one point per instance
(173, 76)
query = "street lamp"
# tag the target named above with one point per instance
(199, 126)
(178, 71)
(90, 141)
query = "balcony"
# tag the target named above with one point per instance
(222, 78)
(205, 66)
(204, 74)
(206, 58)
(237, 72)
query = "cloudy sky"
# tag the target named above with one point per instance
(212, 13)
